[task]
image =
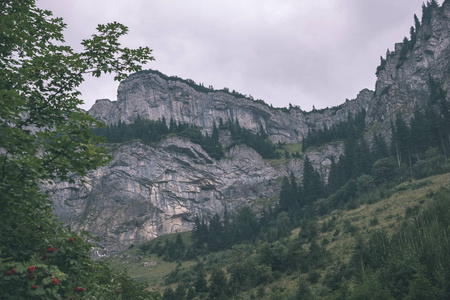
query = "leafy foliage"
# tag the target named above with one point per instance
(44, 136)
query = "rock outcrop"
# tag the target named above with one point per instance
(152, 95)
(403, 83)
(147, 191)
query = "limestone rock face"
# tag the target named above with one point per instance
(152, 95)
(403, 85)
(149, 191)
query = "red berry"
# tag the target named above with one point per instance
(34, 287)
(71, 240)
(11, 272)
(55, 281)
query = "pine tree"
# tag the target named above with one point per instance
(245, 225)
(334, 177)
(401, 141)
(432, 127)
(445, 116)
(416, 22)
(190, 293)
(218, 285)
(406, 46)
(179, 248)
(363, 159)
(382, 66)
(285, 195)
(227, 241)
(379, 149)
(436, 92)
(304, 290)
(163, 127)
(419, 134)
(215, 234)
(312, 184)
(200, 283)
(215, 134)
(370, 289)
(291, 194)
(199, 234)
(172, 125)
(413, 35)
(347, 163)
(180, 292)
(421, 288)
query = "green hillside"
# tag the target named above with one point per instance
(323, 257)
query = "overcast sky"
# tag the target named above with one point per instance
(304, 52)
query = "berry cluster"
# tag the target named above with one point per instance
(30, 271)
(78, 290)
(11, 272)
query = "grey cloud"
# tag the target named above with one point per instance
(301, 52)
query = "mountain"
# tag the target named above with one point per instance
(152, 95)
(151, 189)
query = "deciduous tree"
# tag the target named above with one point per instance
(45, 136)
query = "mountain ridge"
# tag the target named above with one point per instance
(150, 95)
(155, 181)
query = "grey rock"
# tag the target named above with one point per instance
(150, 96)
(402, 87)
(150, 263)
(147, 191)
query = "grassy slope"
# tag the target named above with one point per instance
(133, 261)
(385, 214)
(388, 213)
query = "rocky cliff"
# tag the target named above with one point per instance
(152, 95)
(404, 82)
(148, 190)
